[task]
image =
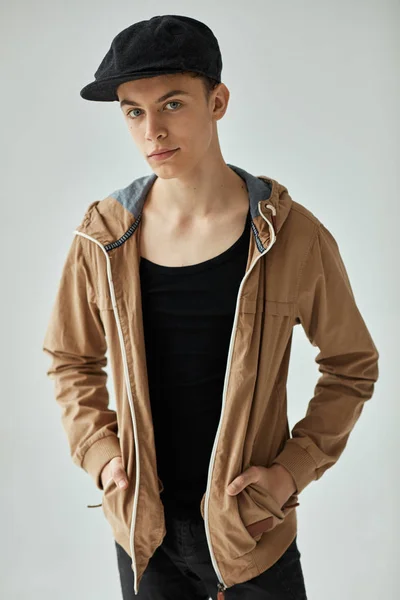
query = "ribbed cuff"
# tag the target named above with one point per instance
(298, 462)
(98, 455)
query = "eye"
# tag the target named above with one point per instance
(128, 113)
(170, 102)
(173, 102)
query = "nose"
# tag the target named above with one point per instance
(154, 128)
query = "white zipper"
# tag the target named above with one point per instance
(227, 373)
(129, 391)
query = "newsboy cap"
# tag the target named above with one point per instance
(162, 44)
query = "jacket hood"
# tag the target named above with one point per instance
(108, 224)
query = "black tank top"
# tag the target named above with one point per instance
(188, 316)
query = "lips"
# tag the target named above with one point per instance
(164, 155)
(162, 151)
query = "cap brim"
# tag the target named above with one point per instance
(102, 91)
(105, 90)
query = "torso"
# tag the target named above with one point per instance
(177, 246)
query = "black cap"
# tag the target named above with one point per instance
(162, 44)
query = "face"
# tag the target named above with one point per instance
(183, 120)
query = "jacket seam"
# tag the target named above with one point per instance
(335, 248)
(304, 261)
(299, 210)
(92, 286)
(255, 562)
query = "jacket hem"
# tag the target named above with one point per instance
(280, 537)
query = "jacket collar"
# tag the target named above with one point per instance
(108, 224)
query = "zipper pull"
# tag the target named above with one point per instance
(221, 591)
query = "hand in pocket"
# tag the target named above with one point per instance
(114, 471)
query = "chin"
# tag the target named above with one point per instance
(165, 171)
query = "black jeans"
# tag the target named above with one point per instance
(181, 569)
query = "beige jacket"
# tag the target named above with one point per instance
(294, 275)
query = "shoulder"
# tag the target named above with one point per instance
(302, 214)
(301, 225)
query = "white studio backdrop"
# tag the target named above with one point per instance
(314, 104)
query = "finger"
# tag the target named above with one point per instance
(241, 481)
(120, 477)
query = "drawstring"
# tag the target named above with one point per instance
(273, 210)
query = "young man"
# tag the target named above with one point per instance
(194, 277)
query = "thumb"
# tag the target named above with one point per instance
(250, 475)
(120, 477)
(118, 472)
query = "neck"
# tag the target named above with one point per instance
(204, 192)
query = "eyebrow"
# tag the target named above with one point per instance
(164, 97)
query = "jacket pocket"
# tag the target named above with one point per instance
(259, 510)
(112, 504)
(108, 484)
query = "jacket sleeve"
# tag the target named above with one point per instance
(75, 341)
(347, 359)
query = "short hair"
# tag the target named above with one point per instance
(209, 84)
